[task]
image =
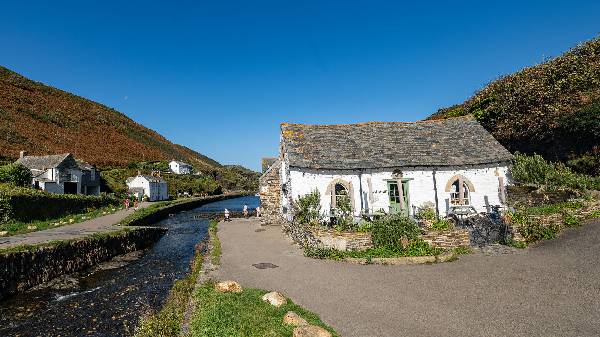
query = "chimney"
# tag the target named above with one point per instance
(22, 154)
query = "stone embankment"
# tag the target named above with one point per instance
(21, 270)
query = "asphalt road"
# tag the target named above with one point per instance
(552, 289)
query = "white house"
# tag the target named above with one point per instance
(152, 187)
(391, 167)
(61, 174)
(179, 167)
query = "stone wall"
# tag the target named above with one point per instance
(270, 196)
(22, 270)
(447, 239)
(310, 237)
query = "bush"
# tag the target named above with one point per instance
(534, 231)
(441, 225)
(535, 170)
(389, 230)
(16, 175)
(26, 204)
(426, 212)
(345, 221)
(307, 209)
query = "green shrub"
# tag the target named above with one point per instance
(571, 220)
(15, 174)
(389, 230)
(343, 210)
(364, 226)
(534, 230)
(307, 209)
(535, 170)
(441, 225)
(26, 204)
(426, 213)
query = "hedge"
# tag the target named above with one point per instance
(26, 204)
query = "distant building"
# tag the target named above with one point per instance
(179, 167)
(152, 187)
(61, 174)
(451, 164)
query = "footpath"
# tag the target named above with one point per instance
(102, 224)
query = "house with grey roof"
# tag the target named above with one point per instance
(61, 174)
(389, 167)
(179, 167)
(152, 187)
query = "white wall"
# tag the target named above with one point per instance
(485, 180)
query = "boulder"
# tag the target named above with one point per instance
(228, 287)
(311, 331)
(274, 298)
(292, 318)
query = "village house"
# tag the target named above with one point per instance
(453, 165)
(179, 167)
(61, 174)
(152, 187)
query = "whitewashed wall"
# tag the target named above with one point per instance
(485, 180)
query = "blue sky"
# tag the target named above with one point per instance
(219, 76)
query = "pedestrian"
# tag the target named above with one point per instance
(227, 215)
(258, 211)
(245, 211)
(135, 205)
(127, 203)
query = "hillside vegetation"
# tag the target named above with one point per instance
(552, 109)
(44, 120)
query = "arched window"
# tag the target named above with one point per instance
(341, 193)
(459, 195)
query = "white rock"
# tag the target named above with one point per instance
(3, 233)
(292, 318)
(274, 298)
(228, 287)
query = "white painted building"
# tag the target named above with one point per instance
(154, 188)
(450, 164)
(61, 174)
(179, 167)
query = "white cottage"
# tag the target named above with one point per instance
(61, 174)
(391, 167)
(179, 167)
(154, 188)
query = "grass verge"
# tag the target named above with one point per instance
(415, 248)
(243, 314)
(167, 322)
(13, 228)
(57, 243)
(215, 254)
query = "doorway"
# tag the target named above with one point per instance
(399, 202)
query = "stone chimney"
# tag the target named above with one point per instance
(22, 154)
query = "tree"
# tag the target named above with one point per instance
(15, 174)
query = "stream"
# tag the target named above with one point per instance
(109, 300)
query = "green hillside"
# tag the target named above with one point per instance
(552, 108)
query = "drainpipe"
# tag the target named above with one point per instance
(437, 210)
(360, 190)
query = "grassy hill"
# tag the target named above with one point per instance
(552, 108)
(44, 120)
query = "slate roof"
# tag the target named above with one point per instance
(43, 162)
(151, 179)
(448, 142)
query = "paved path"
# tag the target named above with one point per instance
(97, 225)
(549, 290)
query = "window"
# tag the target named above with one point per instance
(459, 193)
(340, 193)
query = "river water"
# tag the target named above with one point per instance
(109, 300)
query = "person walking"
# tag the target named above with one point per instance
(258, 211)
(126, 203)
(245, 211)
(135, 204)
(227, 215)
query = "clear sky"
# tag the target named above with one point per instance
(219, 76)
